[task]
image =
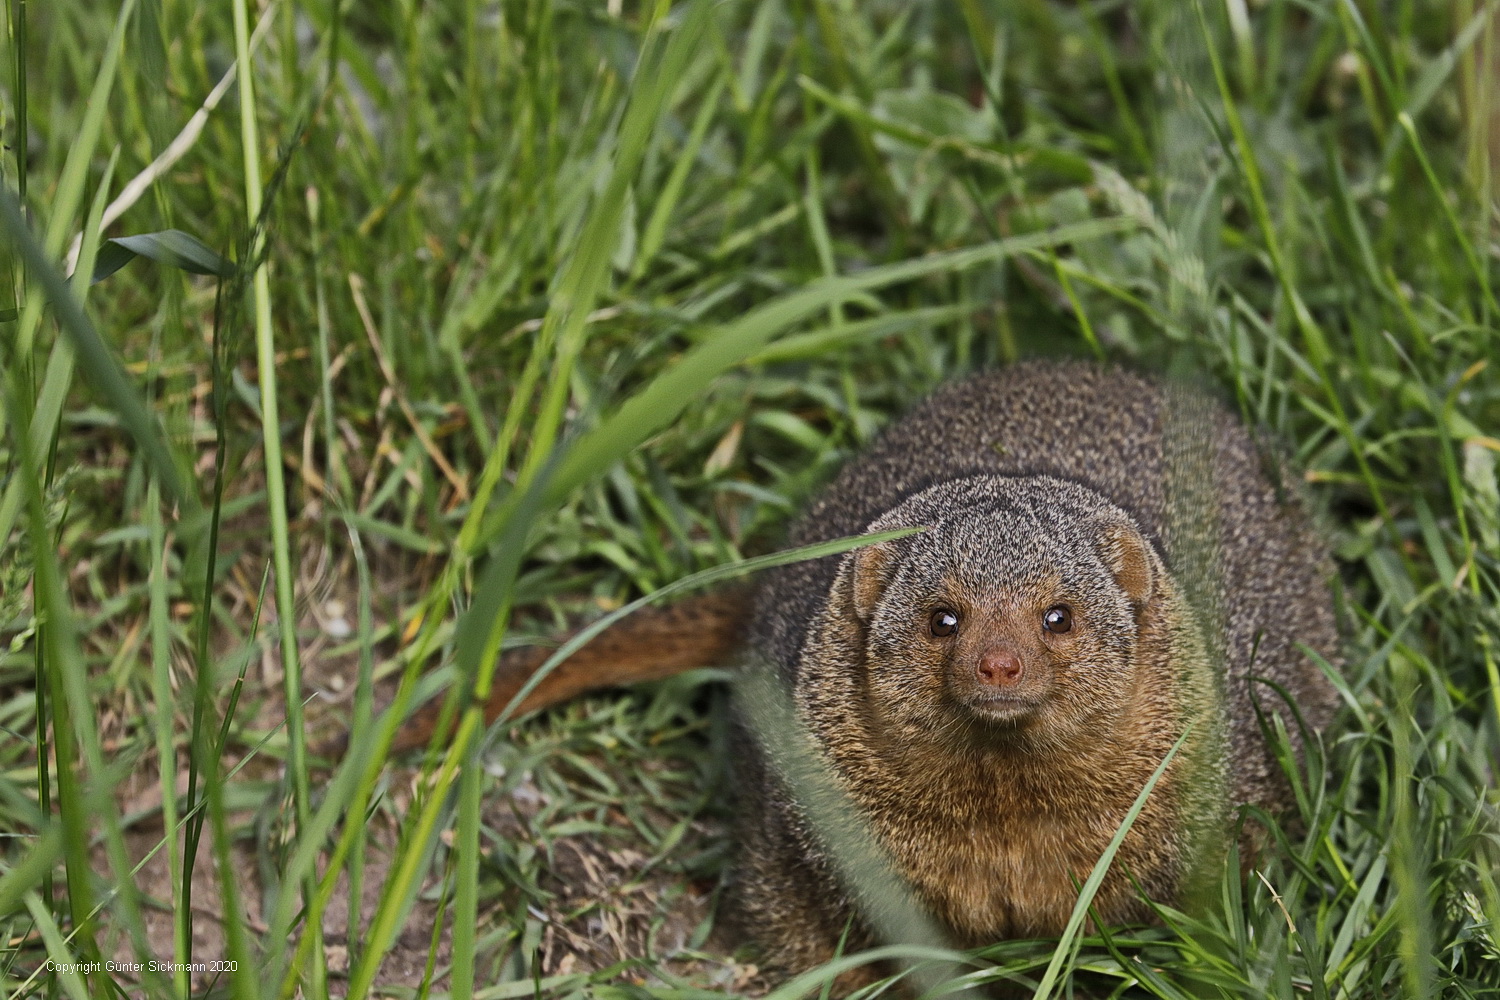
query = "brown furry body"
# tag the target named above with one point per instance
(993, 764)
(993, 823)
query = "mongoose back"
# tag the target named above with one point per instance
(992, 693)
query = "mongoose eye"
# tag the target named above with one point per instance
(943, 623)
(1058, 619)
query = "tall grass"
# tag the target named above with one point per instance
(540, 305)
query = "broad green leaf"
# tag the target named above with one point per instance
(172, 247)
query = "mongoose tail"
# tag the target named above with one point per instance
(648, 645)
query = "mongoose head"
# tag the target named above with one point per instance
(1015, 617)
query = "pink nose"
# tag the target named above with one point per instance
(999, 668)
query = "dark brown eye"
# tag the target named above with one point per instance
(943, 623)
(1058, 619)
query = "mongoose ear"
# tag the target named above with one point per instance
(1128, 557)
(871, 572)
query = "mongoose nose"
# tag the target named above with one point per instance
(999, 668)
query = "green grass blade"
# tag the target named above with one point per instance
(98, 363)
(276, 496)
(172, 247)
(1096, 876)
(666, 397)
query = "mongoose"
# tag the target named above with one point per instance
(992, 693)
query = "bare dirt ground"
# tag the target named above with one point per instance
(603, 900)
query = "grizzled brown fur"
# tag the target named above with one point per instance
(1040, 485)
(1106, 561)
(651, 644)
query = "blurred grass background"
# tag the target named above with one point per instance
(567, 301)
